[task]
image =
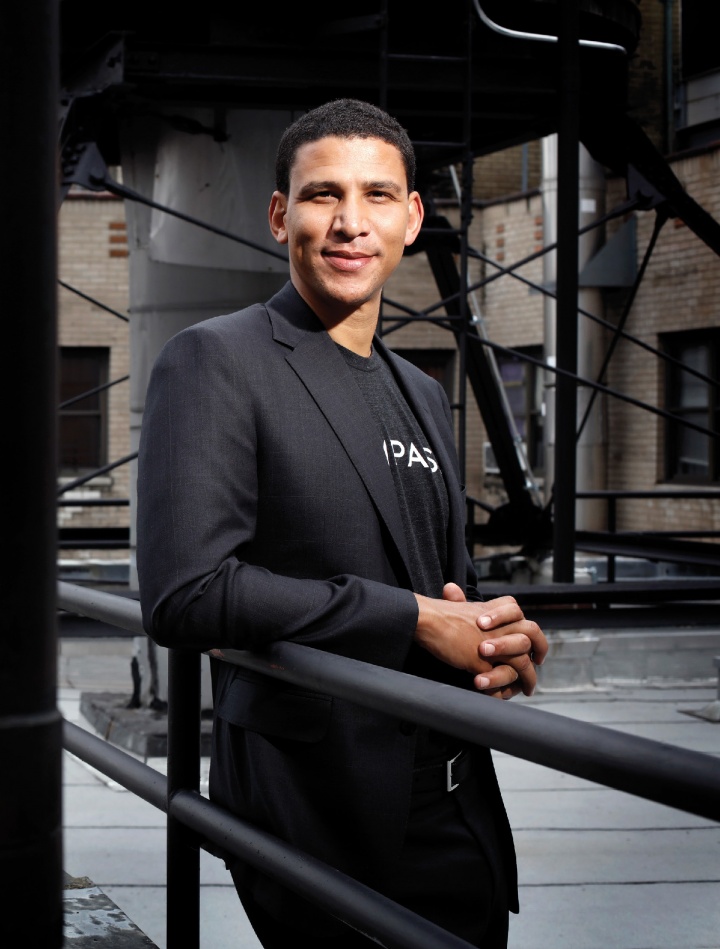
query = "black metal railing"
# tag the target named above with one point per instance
(686, 780)
(689, 549)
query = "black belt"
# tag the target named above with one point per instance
(443, 776)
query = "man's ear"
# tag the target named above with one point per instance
(276, 216)
(415, 218)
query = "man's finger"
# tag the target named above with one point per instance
(537, 643)
(497, 678)
(451, 591)
(517, 671)
(500, 616)
(513, 644)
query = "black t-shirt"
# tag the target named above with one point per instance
(423, 502)
(419, 483)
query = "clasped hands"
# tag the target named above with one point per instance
(492, 640)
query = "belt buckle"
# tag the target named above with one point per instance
(448, 773)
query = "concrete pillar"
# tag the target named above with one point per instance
(181, 274)
(592, 446)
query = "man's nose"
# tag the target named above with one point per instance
(350, 219)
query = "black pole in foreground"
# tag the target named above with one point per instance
(30, 725)
(567, 295)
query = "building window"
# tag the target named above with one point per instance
(522, 383)
(438, 363)
(691, 456)
(82, 424)
(699, 47)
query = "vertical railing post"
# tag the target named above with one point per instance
(612, 527)
(567, 295)
(30, 725)
(183, 855)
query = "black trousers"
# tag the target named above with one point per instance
(449, 872)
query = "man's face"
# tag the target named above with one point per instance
(346, 221)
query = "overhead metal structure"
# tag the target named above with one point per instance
(488, 74)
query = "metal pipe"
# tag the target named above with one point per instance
(95, 302)
(616, 329)
(341, 896)
(129, 195)
(183, 763)
(660, 220)
(30, 725)
(565, 458)
(686, 780)
(466, 215)
(669, 56)
(107, 607)
(89, 392)
(77, 482)
(541, 37)
(575, 378)
(141, 779)
(93, 502)
(334, 891)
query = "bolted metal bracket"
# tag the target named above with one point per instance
(82, 164)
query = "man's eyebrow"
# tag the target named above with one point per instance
(388, 185)
(312, 186)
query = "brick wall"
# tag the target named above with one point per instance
(501, 173)
(93, 258)
(512, 313)
(681, 290)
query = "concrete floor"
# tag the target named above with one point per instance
(599, 869)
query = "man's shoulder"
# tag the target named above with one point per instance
(251, 319)
(285, 317)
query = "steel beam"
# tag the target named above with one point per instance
(567, 295)
(30, 726)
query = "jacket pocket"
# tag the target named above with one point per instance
(274, 709)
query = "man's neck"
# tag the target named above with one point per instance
(353, 329)
(354, 334)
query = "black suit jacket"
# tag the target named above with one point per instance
(267, 511)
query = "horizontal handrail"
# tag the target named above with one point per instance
(109, 607)
(93, 502)
(685, 494)
(686, 780)
(83, 479)
(223, 833)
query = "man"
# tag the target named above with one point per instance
(298, 482)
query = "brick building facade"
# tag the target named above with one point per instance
(675, 309)
(680, 294)
(93, 350)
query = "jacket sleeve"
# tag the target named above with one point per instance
(197, 508)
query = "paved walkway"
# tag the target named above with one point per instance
(598, 869)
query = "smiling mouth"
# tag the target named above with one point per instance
(349, 263)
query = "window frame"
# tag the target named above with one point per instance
(93, 407)
(531, 384)
(676, 345)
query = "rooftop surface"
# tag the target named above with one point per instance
(599, 869)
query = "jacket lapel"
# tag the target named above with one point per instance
(316, 360)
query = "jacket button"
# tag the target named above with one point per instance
(408, 728)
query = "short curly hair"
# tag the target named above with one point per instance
(343, 118)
